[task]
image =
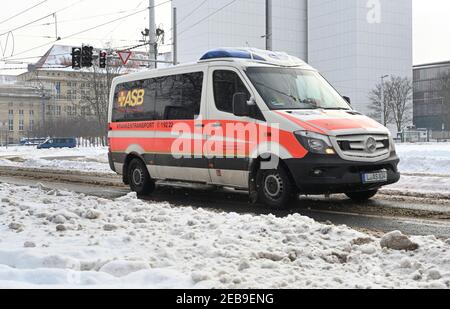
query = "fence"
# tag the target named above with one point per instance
(92, 142)
(441, 135)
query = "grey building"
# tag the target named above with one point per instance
(432, 96)
(351, 42)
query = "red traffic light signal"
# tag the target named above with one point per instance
(103, 59)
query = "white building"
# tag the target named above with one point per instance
(352, 42)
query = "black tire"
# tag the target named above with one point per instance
(275, 188)
(363, 196)
(139, 178)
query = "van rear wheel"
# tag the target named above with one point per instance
(274, 188)
(139, 178)
(363, 196)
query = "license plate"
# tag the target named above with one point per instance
(375, 177)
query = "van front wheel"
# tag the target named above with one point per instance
(275, 188)
(363, 196)
(139, 178)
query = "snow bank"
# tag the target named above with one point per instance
(88, 159)
(428, 158)
(156, 245)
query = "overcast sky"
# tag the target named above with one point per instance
(431, 26)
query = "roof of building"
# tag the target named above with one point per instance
(59, 57)
(56, 56)
(432, 65)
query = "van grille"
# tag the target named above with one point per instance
(364, 145)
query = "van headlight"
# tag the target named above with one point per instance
(315, 143)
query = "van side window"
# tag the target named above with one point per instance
(134, 101)
(179, 97)
(226, 84)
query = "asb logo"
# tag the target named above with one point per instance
(131, 98)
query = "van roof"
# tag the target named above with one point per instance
(241, 57)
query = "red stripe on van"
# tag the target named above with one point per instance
(242, 148)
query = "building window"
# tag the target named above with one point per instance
(31, 113)
(11, 112)
(21, 112)
(31, 126)
(11, 125)
(21, 125)
(58, 110)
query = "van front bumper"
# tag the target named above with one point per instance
(322, 174)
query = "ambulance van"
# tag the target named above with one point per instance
(247, 119)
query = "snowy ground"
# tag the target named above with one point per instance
(132, 243)
(425, 167)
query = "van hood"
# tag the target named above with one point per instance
(334, 122)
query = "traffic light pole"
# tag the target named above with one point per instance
(174, 37)
(152, 33)
(269, 29)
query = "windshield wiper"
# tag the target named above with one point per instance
(337, 108)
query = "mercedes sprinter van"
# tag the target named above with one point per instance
(248, 119)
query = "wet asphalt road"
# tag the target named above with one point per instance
(383, 214)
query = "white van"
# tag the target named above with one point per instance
(249, 119)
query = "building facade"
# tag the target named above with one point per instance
(20, 111)
(352, 42)
(432, 96)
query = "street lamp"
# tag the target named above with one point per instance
(383, 111)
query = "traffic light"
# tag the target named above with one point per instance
(103, 59)
(76, 58)
(87, 56)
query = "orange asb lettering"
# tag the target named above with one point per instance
(131, 98)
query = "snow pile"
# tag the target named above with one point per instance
(88, 159)
(425, 169)
(131, 243)
(430, 158)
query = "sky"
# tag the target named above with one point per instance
(430, 18)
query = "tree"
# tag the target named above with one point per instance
(375, 97)
(96, 99)
(399, 100)
(397, 107)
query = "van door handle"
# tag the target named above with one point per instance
(217, 125)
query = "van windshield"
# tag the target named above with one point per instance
(292, 88)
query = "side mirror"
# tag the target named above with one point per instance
(241, 107)
(349, 101)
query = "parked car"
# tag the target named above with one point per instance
(58, 143)
(32, 141)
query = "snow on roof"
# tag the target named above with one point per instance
(57, 55)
